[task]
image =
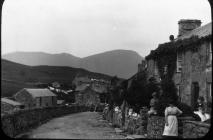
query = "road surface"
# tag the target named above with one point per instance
(85, 125)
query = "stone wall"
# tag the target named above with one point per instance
(186, 127)
(21, 121)
(193, 129)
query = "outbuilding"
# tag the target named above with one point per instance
(35, 98)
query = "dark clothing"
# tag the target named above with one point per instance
(199, 105)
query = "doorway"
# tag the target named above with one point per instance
(194, 94)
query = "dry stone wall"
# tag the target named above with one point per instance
(192, 129)
(21, 121)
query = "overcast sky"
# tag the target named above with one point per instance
(86, 27)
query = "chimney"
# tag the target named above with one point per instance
(187, 25)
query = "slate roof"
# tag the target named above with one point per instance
(38, 92)
(200, 32)
(11, 102)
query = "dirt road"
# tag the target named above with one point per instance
(85, 125)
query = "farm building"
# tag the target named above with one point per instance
(81, 80)
(34, 98)
(8, 105)
(87, 97)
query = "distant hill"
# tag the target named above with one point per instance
(17, 76)
(122, 63)
(41, 58)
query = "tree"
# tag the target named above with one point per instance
(137, 93)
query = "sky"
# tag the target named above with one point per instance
(87, 27)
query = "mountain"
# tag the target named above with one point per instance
(17, 76)
(41, 58)
(122, 63)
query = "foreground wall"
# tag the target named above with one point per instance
(19, 122)
(193, 129)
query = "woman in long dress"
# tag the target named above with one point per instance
(171, 122)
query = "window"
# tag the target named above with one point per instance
(155, 68)
(209, 90)
(178, 92)
(165, 69)
(179, 62)
(209, 58)
(210, 52)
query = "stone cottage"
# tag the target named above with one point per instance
(87, 97)
(193, 51)
(8, 105)
(79, 80)
(34, 98)
(194, 67)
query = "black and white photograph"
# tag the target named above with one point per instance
(106, 69)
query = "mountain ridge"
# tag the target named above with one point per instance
(122, 63)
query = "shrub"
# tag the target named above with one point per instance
(161, 106)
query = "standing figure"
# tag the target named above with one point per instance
(203, 115)
(171, 122)
(153, 104)
(200, 103)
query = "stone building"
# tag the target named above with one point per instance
(194, 68)
(8, 105)
(87, 97)
(193, 51)
(34, 98)
(81, 80)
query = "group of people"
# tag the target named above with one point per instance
(171, 112)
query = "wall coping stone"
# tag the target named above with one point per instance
(198, 123)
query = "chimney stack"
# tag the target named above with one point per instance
(187, 25)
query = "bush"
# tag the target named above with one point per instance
(161, 106)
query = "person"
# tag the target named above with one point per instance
(171, 122)
(153, 103)
(200, 102)
(203, 116)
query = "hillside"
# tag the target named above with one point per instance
(41, 58)
(17, 76)
(122, 63)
